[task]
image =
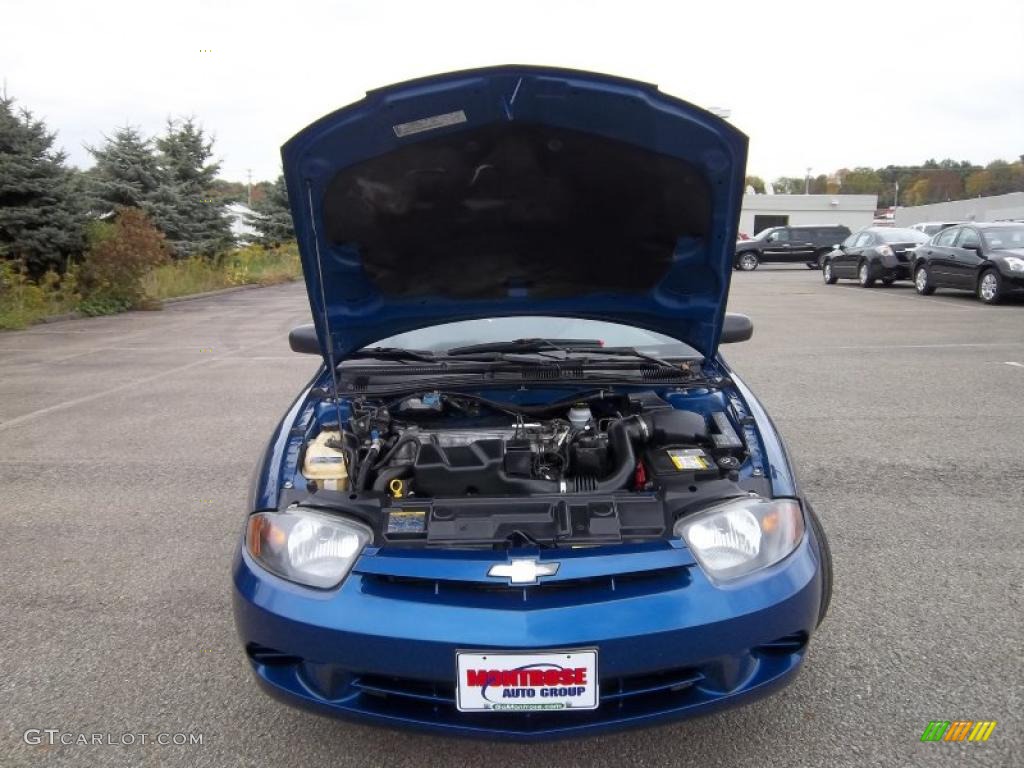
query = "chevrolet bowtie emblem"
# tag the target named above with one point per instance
(519, 572)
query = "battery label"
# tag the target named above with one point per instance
(689, 458)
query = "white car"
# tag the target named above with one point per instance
(933, 227)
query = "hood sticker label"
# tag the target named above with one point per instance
(429, 123)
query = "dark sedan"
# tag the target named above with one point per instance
(875, 253)
(987, 259)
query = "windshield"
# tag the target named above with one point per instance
(764, 233)
(902, 236)
(1004, 237)
(441, 338)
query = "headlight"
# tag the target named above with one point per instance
(1015, 264)
(305, 545)
(738, 537)
(884, 250)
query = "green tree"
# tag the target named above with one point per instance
(1000, 177)
(756, 182)
(977, 184)
(861, 181)
(272, 217)
(819, 185)
(228, 191)
(918, 193)
(41, 222)
(788, 185)
(126, 172)
(182, 207)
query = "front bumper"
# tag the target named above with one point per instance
(1013, 281)
(381, 648)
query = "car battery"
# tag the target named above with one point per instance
(681, 463)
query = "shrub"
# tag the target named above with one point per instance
(23, 302)
(118, 258)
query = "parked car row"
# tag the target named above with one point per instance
(986, 258)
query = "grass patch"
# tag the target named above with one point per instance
(24, 302)
(251, 265)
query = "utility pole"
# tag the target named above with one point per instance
(248, 185)
(807, 182)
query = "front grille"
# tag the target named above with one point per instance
(499, 592)
(625, 698)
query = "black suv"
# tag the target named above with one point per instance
(787, 245)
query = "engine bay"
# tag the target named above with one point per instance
(460, 469)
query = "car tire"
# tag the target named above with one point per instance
(820, 257)
(887, 281)
(990, 286)
(747, 261)
(923, 281)
(826, 564)
(827, 274)
(864, 277)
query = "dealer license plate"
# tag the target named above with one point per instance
(490, 681)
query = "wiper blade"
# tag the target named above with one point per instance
(629, 352)
(394, 353)
(574, 351)
(527, 346)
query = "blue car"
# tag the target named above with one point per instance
(524, 496)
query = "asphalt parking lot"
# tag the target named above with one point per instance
(127, 443)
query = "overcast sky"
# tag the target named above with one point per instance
(820, 84)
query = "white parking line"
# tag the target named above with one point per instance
(1011, 362)
(130, 384)
(935, 346)
(923, 301)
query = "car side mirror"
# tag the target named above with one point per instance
(302, 338)
(736, 328)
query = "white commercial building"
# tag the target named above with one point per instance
(763, 211)
(995, 208)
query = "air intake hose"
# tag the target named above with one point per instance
(661, 427)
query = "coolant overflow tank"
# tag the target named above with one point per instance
(324, 462)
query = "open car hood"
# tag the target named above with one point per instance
(516, 191)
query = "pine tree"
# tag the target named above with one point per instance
(191, 218)
(40, 221)
(272, 217)
(126, 174)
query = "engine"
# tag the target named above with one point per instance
(439, 445)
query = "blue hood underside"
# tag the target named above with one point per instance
(516, 191)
